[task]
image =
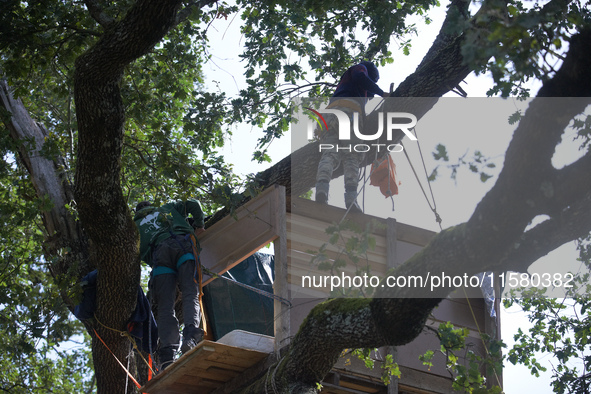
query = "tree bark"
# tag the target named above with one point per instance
(109, 242)
(101, 204)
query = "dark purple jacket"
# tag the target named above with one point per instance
(356, 82)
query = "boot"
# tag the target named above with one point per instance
(166, 357)
(191, 337)
(322, 192)
(351, 201)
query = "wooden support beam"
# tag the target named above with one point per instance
(281, 285)
(391, 262)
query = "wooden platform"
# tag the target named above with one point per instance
(203, 369)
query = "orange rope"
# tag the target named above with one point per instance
(132, 340)
(200, 283)
(122, 366)
(150, 372)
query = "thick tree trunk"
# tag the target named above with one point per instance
(102, 207)
(110, 240)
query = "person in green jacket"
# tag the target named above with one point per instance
(166, 246)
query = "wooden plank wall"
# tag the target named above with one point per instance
(395, 243)
(234, 238)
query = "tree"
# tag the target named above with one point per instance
(131, 74)
(560, 328)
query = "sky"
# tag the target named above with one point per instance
(455, 200)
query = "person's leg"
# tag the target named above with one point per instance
(164, 290)
(351, 162)
(192, 334)
(329, 161)
(351, 169)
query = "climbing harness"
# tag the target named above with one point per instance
(134, 345)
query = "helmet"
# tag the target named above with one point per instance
(142, 205)
(372, 70)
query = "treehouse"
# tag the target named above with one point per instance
(228, 359)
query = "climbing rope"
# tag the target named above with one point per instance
(133, 343)
(434, 205)
(199, 272)
(357, 195)
(139, 386)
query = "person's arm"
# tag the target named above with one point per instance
(362, 80)
(199, 231)
(192, 207)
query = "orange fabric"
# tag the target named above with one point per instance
(384, 176)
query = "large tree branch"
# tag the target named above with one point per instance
(570, 185)
(571, 224)
(48, 177)
(567, 199)
(485, 243)
(97, 13)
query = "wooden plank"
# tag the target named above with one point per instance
(281, 285)
(329, 388)
(204, 368)
(391, 241)
(231, 240)
(316, 228)
(215, 375)
(376, 262)
(308, 235)
(392, 262)
(303, 245)
(413, 381)
(329, 214)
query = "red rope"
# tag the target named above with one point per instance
(150, 369)
(122, 366)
